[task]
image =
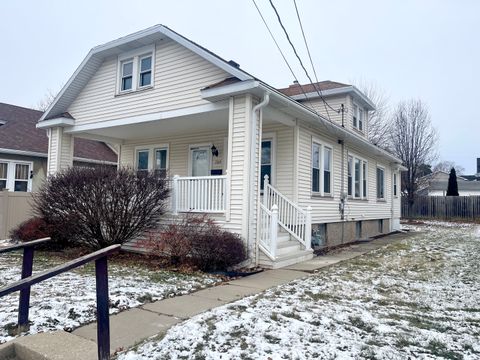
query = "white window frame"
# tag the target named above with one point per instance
(383, 182)
(395, 184)
(272, 137)
(11, 174)
(358, 118)
(122, 63)
(363, 177)
(321, 166)
(151, 155)
(140, 58)
(135, 56)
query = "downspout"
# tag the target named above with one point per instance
(343, 195)
(252, 230)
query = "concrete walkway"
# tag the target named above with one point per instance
(132, 326)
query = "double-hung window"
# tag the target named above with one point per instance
(357, 177)
(380, 183)
(127, 75)
(136, 69)
(321, 169)
(16, 176)
(358, 117)
(395, 184)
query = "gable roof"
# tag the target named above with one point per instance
(19, 134)
(327, 88)
(296, 89)
(96, 56)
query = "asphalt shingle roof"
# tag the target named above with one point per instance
(20, 133)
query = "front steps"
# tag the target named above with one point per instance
(289, 252)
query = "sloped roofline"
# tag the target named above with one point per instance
(96, 55)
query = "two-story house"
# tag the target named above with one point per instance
(263, 163)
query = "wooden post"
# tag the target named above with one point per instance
(308, 229)
(273, 231)
(175, 195)
(103, 320)
(24, 302)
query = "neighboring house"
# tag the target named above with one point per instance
(436, 184)
(169, 104)
(476, 176)
(24, 150)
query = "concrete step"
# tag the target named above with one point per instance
(285, 260)
(59, 345)
(288, 247)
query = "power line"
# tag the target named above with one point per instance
(300, 60)
(319, 91)
(283, 56)
(312, 108)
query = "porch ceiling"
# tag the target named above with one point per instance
(204, 122)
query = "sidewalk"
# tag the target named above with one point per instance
(132, 326)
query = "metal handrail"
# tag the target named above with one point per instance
(101, 276)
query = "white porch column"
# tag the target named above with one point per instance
(60, 150)
(239, 167)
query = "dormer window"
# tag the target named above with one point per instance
(135, 69)
(358, 117)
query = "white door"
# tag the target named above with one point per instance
(200, 161)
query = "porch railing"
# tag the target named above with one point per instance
(207, 194)
(296, 221)
(268, 230)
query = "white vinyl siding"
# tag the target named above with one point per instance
(325, 210)
(179, 74)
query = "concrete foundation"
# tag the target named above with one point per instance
(340, 233)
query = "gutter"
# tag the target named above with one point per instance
(252, 230)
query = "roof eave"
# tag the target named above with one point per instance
(258, 88)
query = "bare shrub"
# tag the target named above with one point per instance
(196, 240)
(102, 206)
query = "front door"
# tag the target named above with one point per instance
(200, 161)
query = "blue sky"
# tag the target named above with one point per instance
(412, 49)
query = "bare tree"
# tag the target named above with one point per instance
(46, 100)
(414, 140)
(446, 166)
(379, 119)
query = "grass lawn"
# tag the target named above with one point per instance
(68, 300)
(419, 298)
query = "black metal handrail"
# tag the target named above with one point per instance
(27, 265)
(101, 276)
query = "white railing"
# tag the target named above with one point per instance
(205, 194)
(296, 221)
(268, 230)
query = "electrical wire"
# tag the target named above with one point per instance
(319, 91)
(300, 59)
(283, 56)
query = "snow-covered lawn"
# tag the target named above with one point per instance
(68, 300)
(418, 298)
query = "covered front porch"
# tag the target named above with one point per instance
(215, 156)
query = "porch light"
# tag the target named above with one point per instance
(214, 150)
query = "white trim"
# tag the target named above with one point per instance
(23, 152)
(147, 33)
(151, 154)
(94, 161)
(270, 136)
(322, 145)
(339, 91)
(381, 167)
(60, 121)
(363, 195)
(191, 147)
(149, 117)
(11, 163)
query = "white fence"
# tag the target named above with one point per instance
(206, 194)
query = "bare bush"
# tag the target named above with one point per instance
(102, 206)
